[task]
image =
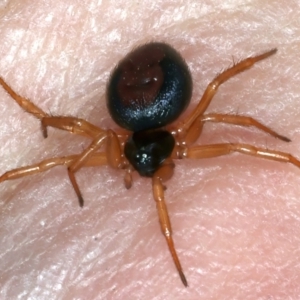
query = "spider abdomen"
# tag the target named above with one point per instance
(149, 88)
(147, 150)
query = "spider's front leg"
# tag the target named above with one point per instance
(164, 173)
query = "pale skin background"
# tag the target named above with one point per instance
(236, 219)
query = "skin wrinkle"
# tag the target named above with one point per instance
(235, 219)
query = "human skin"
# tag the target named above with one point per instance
(236, 219)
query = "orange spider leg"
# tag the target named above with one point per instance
(26, 104)
(80, 161)
(208, 151)
(71, 124)
(98, 159)
(213, 86)
(115, 157)
(195, 129)
(163, 174)
(113, 153)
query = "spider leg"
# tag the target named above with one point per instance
(195, 129)
(98, 159)
(113, 154)
(26, 104)
(208, 151)
(88, 158)
(213, 86)
(73, 125)
(163, 174)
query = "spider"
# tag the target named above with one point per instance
(149, 89)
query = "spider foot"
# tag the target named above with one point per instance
(44, 130)
(81, 201)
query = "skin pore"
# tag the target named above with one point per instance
(236, 219)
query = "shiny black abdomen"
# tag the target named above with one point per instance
(149, 88)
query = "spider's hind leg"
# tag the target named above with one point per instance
(213, 87)
(24, 103)
(71, 124)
